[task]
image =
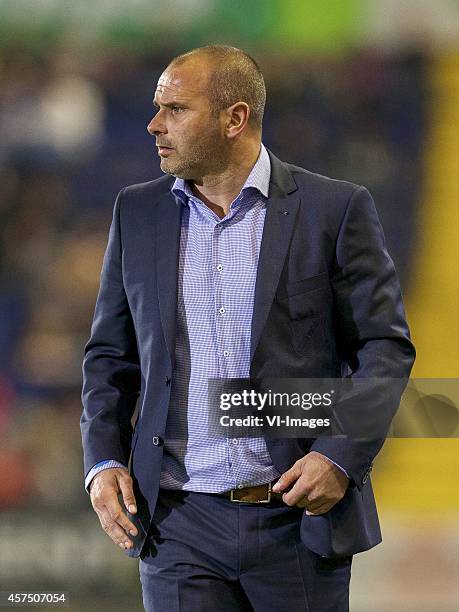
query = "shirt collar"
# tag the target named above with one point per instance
(258, 178)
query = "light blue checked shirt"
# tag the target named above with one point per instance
(218, 262)
(217, 274)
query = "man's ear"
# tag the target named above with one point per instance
(237, 117)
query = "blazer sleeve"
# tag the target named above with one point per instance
(111, 367)
(372, 333)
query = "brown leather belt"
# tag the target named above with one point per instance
(258, 494)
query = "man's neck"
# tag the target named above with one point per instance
(219, 191)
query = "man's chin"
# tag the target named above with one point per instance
(174, 170)
(167, 168)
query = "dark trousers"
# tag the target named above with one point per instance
(213, 554)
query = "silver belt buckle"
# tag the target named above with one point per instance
(260, 501)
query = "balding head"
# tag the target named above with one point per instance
(233, 76)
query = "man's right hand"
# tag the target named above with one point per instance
(104, 490)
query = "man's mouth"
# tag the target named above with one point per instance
(163, 150)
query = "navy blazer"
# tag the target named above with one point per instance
(327, 304)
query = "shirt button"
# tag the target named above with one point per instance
(226, 353)
(222, 310)
(235, 441)
(219, 267)
(240, 486)
(168, 380)
(157, 440)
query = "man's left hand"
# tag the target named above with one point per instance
(318, 484)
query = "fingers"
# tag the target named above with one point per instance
(128, 494)
(318, 503)
(317, 484)
(321, 509)
(109, 520)
(315, 500)
(298, 495)
(302, 503)
(288, 477)
(104, 497)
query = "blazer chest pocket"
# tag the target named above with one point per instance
(305, 297)
(308, 336)
(306, 302)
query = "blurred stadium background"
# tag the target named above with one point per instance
(362, 90)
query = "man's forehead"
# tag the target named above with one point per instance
(186, 79)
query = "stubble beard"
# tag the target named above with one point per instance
(208, 156)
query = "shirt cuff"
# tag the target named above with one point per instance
(102, 465)
(338, 466)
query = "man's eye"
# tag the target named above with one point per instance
(177, 109)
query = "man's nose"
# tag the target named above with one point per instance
(156, 125)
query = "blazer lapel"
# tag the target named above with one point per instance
(280, 217)
(168, 223)
(281, 209)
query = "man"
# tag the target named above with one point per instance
(240, 266)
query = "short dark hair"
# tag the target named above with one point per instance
(236, 77)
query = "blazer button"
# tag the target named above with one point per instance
(157, 441)
(168, 381)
